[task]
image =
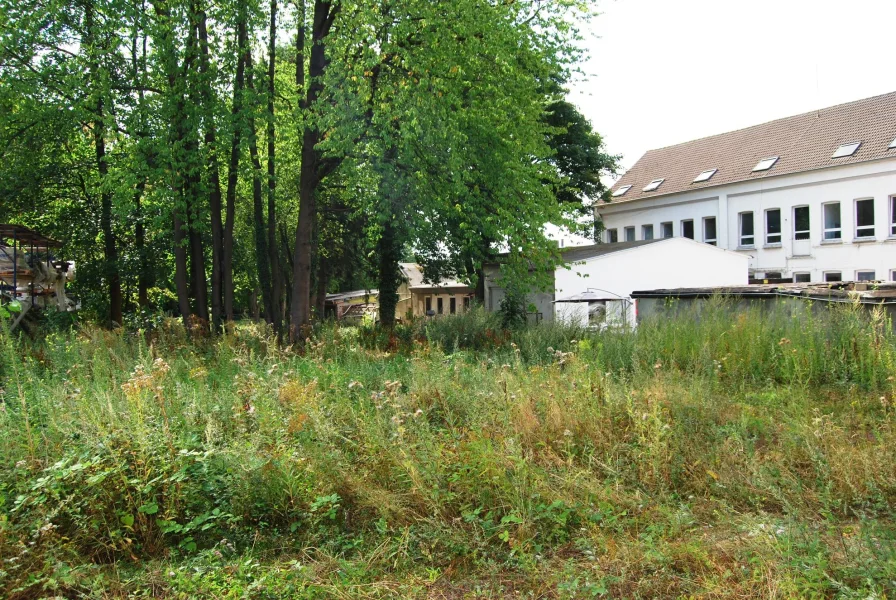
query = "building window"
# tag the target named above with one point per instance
(629, 234)
(893, 216)
(801, 223)
(466, 303)
(452, 305)
(802, 278)
(666, 230)
(773, 275)
(612, 236)
(428, 305)
(747, 236)
(440, 306)
(765, 164)
(773, 226)
(709, 230)
(646, 232)
(687, 229)
(893, 275)
(832, 276)
(831, 218)
(866, 275)
(653, 185)
(865, 218)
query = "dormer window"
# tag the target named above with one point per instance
(653, 185)
(765, 164)
(846, 150)
(621, 191)
(705, 176)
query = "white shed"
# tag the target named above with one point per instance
(595, 286)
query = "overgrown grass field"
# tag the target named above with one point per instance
(746, 455)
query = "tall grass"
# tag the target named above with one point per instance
(719, 456)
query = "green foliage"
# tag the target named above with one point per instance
(544, 461)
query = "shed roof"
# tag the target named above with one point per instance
(802, 142)
(25, 236)
(846, 291)
(413, 273)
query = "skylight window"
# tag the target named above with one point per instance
(621, 191)
(846, 150)
(705, 175)
(765, 164)
(653, 185)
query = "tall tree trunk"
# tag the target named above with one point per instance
(180, 268)
(143, 276)
(233, 167)
(177, 134)
(276, 276)
(110, 248)
(389, 245)
(214, 181)
(313, 170)
(137, 67)
(194, 185)
(262, 255)
(197, 265)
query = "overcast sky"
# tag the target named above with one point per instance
(668, 71)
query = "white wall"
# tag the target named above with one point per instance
(845, 184)
(673, 263)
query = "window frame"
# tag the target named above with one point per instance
(625, 233)
(714, 241)
(621, 191)
(843, 150)
(824, 229)
(768, 236)
(807, 232)
(663, 230)
(860, 271)
(654, 185)
(681, 227)
(859, 228)
(892, 274)
(452, 305)
(806, 273)
(825, 274)
(765, 164)
(892, 223)
(647, 230)
(705, 175)
(740, 230)
(612, 233)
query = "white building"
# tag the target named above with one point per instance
(810, 197)
(598, 281)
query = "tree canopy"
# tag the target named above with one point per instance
(207, 157)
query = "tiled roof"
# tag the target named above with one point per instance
(413, 274)
(803, 142)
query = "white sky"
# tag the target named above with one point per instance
(668, 71)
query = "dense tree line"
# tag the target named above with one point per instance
(202, 156)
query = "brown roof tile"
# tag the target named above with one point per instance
(803, 142)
